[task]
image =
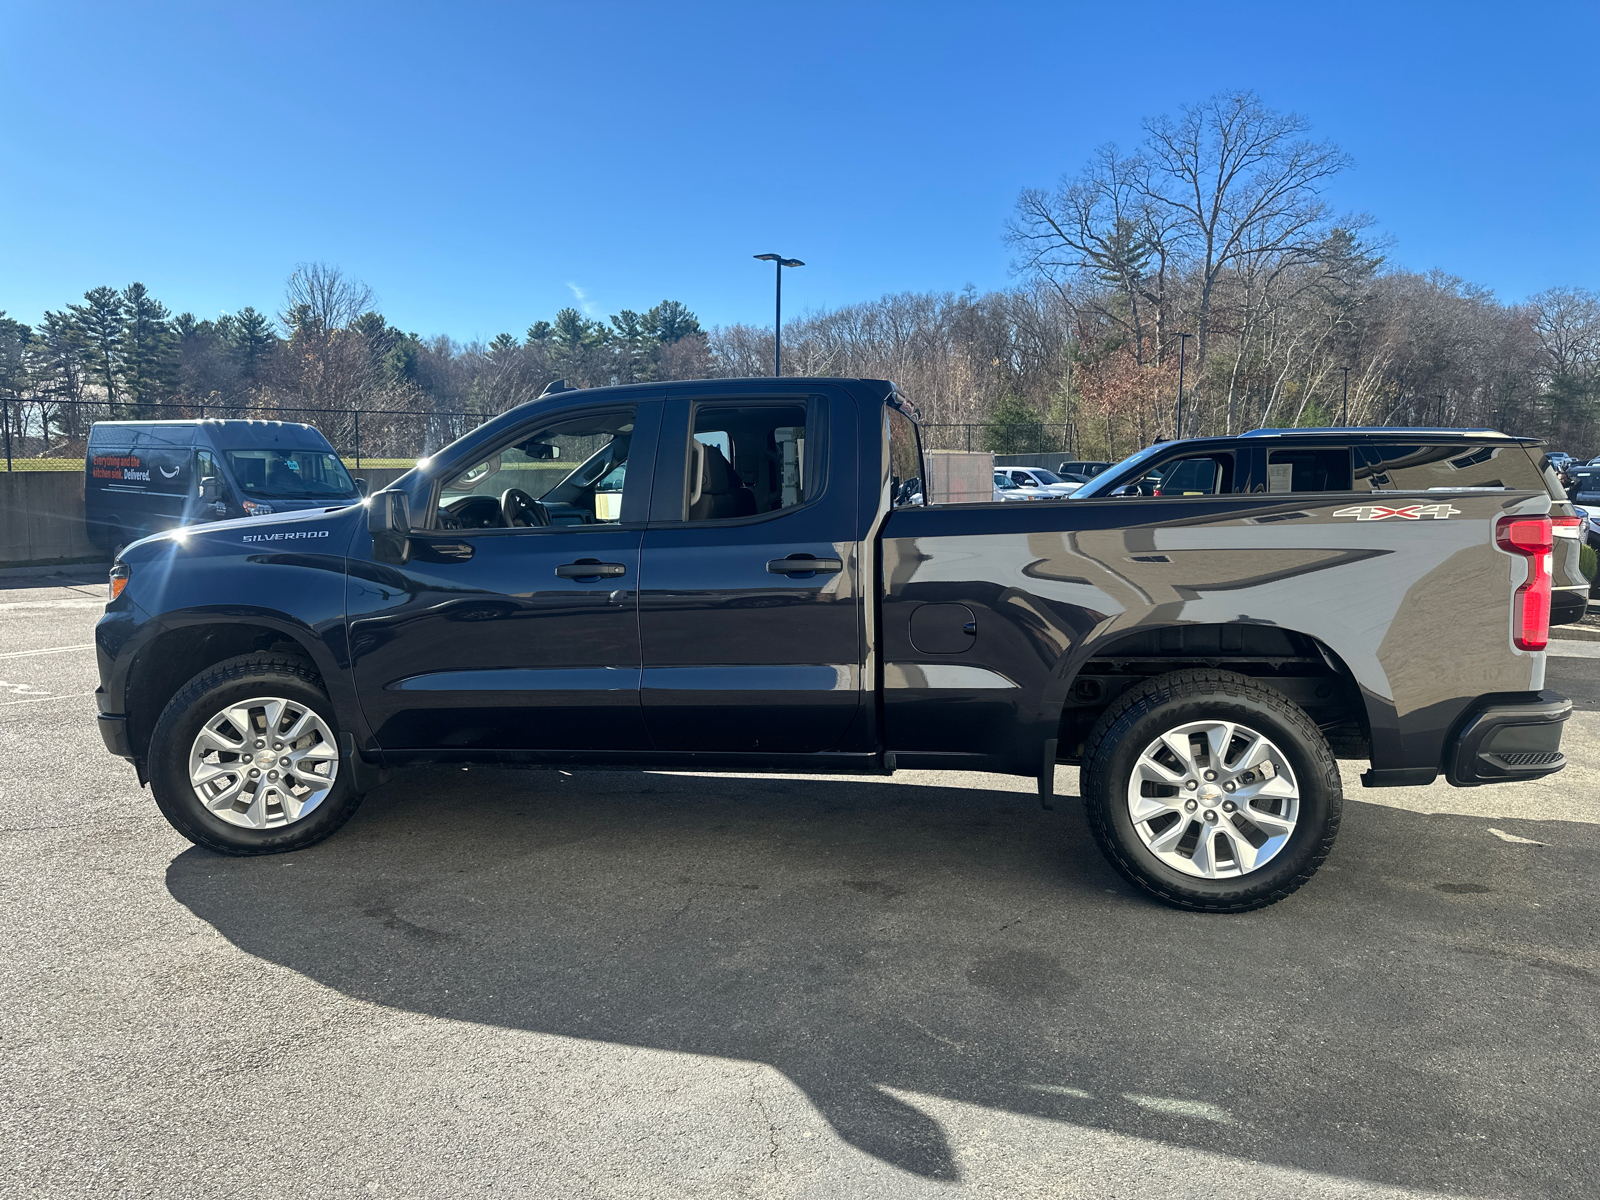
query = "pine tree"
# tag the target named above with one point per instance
(60, 367)
(1014, 427)
(101, 317)
(14, 339)
(151, 348)
(253, 340)
(670, 321)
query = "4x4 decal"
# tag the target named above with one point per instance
(1411, 512)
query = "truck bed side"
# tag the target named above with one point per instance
(1387, 631)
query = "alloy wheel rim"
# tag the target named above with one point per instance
(1213, 799)
(263, 763)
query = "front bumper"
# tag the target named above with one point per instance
(1506, 741)
(114, 733)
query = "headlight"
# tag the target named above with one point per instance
(254, 508)
(119, 578)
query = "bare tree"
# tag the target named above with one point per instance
(1240, 183)
(323, 299)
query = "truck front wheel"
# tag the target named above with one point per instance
(1211, 791)
(245, 758)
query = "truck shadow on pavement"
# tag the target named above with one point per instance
(1423, 1013)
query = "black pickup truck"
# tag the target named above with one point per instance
(712, 576)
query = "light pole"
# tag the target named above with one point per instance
(1344, 412)
(1183, 344)
(777, 320)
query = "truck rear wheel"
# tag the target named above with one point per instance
(245, 758)
(1211, 791)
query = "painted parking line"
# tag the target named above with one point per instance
(1574, 649)
(49, 650)
(42, 699)
(17, 605)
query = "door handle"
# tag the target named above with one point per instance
(804, 564)
(590, 568)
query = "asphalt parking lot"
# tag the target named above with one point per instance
(648, 984)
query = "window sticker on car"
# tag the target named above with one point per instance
(1411, 512)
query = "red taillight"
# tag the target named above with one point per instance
(1531, 538)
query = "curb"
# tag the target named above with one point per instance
(1574, 633)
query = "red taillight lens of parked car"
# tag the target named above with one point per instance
(1531, 538)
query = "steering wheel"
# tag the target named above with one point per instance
(519, 508)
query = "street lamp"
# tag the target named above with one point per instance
(1183, 344)
(1344, 415)
(777, 321)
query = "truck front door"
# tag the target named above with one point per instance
(514, 625)
(750, 611)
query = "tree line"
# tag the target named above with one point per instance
(1209, 249)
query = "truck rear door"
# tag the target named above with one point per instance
(750, 609)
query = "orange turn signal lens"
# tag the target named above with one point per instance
(119, 579)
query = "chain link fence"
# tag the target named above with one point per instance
(51, 435)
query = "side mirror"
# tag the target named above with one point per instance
(361, 486)
(1128, 489)
(210, 490)
(389, 523)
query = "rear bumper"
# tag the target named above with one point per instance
(1569, 605)
(1506, 741)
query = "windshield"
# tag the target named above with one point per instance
(1100, 485)
(1004, 484)
(1044, 476)
(291, 474)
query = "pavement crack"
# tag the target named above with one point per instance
(772, 1128)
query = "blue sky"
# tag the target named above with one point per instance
(481, 165)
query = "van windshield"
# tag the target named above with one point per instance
(291, 474)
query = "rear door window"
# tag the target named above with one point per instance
(1310, 469)
(750, 460)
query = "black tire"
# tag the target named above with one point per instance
(208, 693)
(1139, 716)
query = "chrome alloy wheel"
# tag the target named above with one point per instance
(263, 763)
(1213, 799)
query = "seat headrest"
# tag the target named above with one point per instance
(719, 478)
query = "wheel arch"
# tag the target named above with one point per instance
(186, 644)
(1352, 711)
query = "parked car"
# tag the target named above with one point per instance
(1587, 478)
(1088, 468)
(1204, 658)
(1006, 489)
(1334, 460)
(1043, 480)
(142, 477)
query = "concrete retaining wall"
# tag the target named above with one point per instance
(41, 518)
(41, 515)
